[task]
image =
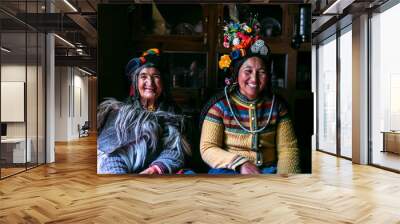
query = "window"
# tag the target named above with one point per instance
(22, 77)
(385, 85)
(346, 92)
(327, 95)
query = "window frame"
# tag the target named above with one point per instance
(339, 32)
(379, 10)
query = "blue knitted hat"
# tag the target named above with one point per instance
(150, 56)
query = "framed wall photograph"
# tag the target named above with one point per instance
(209, 91)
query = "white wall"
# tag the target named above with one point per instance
(14, 72)
(61, 103)
(17, 72)
(71, 101)
(81, 104)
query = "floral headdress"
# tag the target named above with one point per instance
(244, 39)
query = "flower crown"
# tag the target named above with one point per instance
(149, 56)
(243, 39)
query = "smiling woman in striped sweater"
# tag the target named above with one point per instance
(247, 129)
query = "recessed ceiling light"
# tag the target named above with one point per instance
(338, 6)
(84, 71)
(5, 50)
(70, 5)
(65, 41)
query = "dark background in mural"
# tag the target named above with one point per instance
(194, 37)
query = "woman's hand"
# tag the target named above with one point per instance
(249, 168)
(150, 170)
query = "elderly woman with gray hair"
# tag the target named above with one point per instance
(143, 135)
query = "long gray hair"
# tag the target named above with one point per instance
(137, 135)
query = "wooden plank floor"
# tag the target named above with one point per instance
(10, 171)
(70, 191)
(387, 159)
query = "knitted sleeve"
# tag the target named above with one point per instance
(211, 142)
(172, 157)
(111, 164)
(170, 160)
(286, 141)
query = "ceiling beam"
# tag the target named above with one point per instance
(81, 21)
(83, 61)
(337, 7)
(86, 27)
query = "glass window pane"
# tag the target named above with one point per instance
(31, 96)
(32, 85)
(41, 98)
(385, 84)
(14, 153)
(327, 96)
(345, 94)
(22, 88)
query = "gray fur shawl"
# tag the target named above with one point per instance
(139, 137)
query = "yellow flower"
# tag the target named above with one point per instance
(248, 30)
(224, 61)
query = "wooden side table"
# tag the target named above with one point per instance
(391, 141)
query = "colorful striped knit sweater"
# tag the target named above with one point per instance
(224, 144)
